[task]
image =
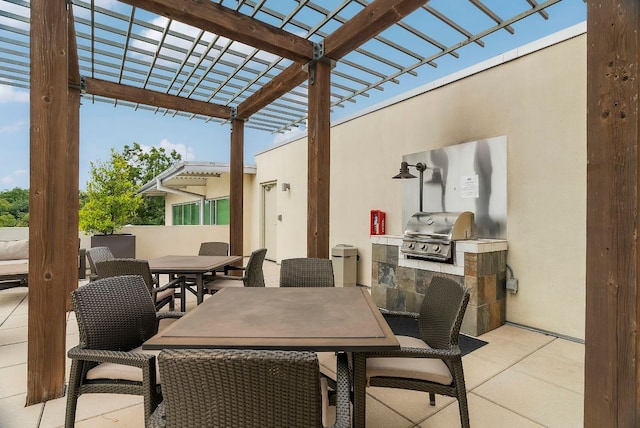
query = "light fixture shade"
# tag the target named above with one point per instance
(404, 171)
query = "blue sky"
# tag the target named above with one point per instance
(103, 126)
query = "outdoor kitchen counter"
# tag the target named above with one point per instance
(398, 283)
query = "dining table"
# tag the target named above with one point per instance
(298, 319)
(197, 266)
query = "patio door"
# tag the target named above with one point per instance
(269, 220)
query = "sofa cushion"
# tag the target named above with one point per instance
(14, 250)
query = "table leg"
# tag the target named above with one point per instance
(200, 286)
(359, 390)
(183, 296)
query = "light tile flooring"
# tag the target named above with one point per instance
(520, 379)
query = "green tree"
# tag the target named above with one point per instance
(145, 165)
(111, 196)
(14, 207)
(6, 218)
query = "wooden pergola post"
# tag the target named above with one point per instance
(49, 194)
(612, 351)
(319, 168)
(236, 192)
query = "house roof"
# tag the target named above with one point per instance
(122, 43)
(187, 174)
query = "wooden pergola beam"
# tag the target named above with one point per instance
(288, 79)
(132, 94)
(220, 20)
(366, 24)
(370, 21)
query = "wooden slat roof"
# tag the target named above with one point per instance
(262, 79)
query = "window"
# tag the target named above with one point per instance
(188, 213)
(216, 211)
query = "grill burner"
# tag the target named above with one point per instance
(431, 236)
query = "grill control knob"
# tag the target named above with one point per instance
(411, 245)
(436, 248)
(424, 247)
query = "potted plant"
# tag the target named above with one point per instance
(111, 201)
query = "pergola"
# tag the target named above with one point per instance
(273, 68)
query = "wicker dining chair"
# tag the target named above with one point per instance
(306, 272)
(230, 388)
(433, 362)
(115, 317)
(213, 248)
(253, 274)
(310, 272)
(162, 295)
(95, 255)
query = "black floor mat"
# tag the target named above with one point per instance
(409, 327)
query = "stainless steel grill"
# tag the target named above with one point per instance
(432, 236)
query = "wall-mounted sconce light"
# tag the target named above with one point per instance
(286, 186)
(404, 173)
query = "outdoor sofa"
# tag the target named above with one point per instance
(14, 263)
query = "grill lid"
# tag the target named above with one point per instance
(445, 226)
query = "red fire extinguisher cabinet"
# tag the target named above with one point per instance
(377, 222)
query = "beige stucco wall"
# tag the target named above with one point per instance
(287, 164)
(216, 187)
(539, 102)
(186, 240)
(158, 241)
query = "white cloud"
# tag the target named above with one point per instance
(107, 4)
(14, 127)
(13, 95)
(86, 13)
(290, 135)
(185, 151)
(9, 181)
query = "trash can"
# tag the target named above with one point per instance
(345, 267)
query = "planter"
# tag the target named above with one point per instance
(121, 245)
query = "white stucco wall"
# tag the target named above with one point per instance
(539, 102)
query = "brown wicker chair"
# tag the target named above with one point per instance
(213, 248)
(306, 272)
(82, 261)
(115, 316)
(309, 272)
(246, 388)
(95, 255)
(162, 295)
(253, 275)
(433, 363)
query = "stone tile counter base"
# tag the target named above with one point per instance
(399, 283)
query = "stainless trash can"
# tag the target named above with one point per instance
(345, 267)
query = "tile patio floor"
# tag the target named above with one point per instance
(520, 379)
